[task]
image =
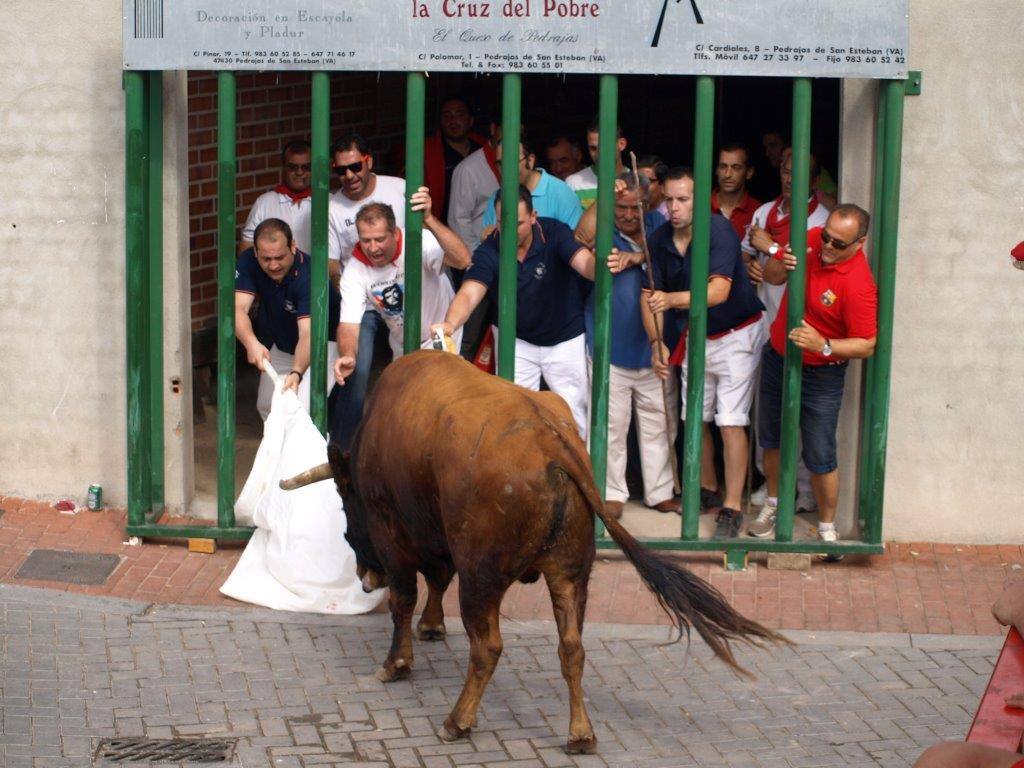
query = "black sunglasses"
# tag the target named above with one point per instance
(836, 243)
(296, 167)
(354, 167)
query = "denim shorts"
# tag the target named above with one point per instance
(821, 397)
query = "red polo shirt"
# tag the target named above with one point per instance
(841, 302)
(741, 215)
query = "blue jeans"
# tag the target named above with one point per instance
(347, 401)
(821, 396)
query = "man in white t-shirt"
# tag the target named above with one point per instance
(584, 183)
(290, 201)
(374, 279)
(352, 163)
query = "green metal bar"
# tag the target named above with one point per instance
(321, 130)
(608, 107)
(793, 370)
(754, 545)
(700, 248)
(226, 299)
(886, 276)
(415, 126)
(864, 469)
(135, 264)
(155, 244)
(152, 531)
(508, 268)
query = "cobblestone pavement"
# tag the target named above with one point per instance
(913, 587)
(299, 690)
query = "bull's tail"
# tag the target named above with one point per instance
(687, 599)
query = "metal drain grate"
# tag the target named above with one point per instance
(139, 750)
(68, 567)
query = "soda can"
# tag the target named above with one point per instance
(95, 498)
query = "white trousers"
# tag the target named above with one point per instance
(283, 363)
(638, 392)
(731, 364)
(564, 368)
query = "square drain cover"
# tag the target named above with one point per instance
(139, 750)
(68, 567)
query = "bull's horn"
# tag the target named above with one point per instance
(321, 472)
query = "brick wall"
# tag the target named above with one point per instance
(273, 108)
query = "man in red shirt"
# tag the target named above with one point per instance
(839, 324)
(731, 198)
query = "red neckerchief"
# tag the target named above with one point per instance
(778, 225)
(295, 197)
(357, 252)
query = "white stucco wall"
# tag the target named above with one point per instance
(956, 433)
(956, 422)
(62, 347)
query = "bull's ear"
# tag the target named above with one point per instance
(338, 461)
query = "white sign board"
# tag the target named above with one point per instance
(789, 38)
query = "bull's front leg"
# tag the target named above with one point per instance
(402, 601)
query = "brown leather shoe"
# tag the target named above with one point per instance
(668, 505)
(614, 509)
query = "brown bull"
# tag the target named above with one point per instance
(455, 471)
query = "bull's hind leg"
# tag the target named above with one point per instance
(568, 598)
(480, 617)
(402, 601)
(431, 623)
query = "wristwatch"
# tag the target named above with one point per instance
(774, 248)
(826, 351)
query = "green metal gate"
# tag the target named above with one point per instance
(143, 122)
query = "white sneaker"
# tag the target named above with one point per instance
(763, 526)
(805, 502)
(829, 536)
(758, 497)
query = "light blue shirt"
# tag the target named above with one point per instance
(552, 199)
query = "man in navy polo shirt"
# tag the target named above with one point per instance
(549, 306)
(279, 274)
(736, 331)
(632, 381)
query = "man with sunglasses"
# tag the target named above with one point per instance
(352, 163)
(839, 324)
(290, 201)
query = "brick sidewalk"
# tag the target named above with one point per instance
(920, 588)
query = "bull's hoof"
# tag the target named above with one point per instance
(391, 672)
(584, 746)
(431, 632)
(451, 732)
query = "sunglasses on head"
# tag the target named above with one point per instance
(296, 167)
(836, 243)
(356, 167)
